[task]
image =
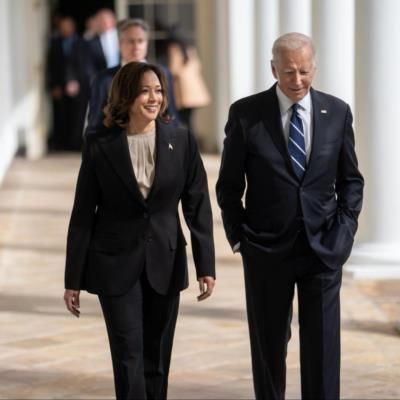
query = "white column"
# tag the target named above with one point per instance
(234, 56)
(121, 9)
(333, 32)
(222, 69)
(8, 137)
(241, 48)
(266, 31)
(6, 97)
(295, 16)
(377, 97)
(36, 15)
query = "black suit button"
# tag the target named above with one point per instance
(149, 238)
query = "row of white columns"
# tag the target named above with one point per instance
(357, 60)
(8, 136)
(377, 109)
(254, 25)
(23, 104)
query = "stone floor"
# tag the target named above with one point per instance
(45, 353)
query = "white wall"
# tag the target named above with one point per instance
(8, 143)
(23, 108)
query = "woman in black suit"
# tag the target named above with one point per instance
(125, 241)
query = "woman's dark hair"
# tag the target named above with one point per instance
(174, 35)
(125, 88)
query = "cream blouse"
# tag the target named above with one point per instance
(142, 150)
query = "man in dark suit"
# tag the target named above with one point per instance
(103, 48)
(133, 42)
(294, 147)
(68, 85)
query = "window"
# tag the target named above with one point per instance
(161, 15)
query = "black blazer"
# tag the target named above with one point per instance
(326, 202)
(96, 59)
(114, 233)
(62, 67)
(100, 88)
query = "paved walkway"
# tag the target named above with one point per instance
(46, 353)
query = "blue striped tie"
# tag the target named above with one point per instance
(296, 144)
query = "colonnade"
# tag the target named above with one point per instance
(358, 60)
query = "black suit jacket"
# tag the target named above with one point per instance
(68, 111)
(100, 88)
(96, 59)
(62, 67)
(326, 203)
(114, 233)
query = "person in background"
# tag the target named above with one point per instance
(291, 149)
(55, 25)
(103, 48)
(91, 29)
(133, 37)
(68, 85)
(125, 241)
(189, 85)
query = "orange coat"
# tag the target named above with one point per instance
(189, 86)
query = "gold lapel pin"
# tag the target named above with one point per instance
(170, 146)
(324, 112)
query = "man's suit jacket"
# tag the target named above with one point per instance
(68, 111)
(99, 91)
(100, 88)
(97, 59)
(326, 203)
(114, 233)
(62, 67)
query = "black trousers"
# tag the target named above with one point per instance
(270, 285)
(140, 326)
(68, 121)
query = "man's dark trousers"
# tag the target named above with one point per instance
(270, 282)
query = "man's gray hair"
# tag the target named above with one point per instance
(128, 23)
(292, 41)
